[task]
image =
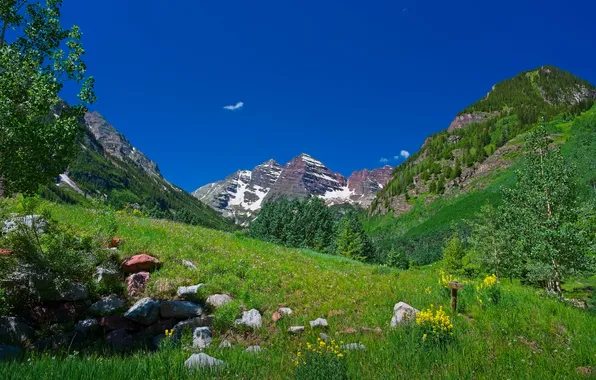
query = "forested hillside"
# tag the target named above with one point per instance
(442, 188)
(129, 182)
(482, 138)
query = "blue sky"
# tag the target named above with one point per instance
(348, 82)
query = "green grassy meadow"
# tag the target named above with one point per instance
(526, 335)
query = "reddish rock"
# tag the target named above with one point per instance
(140, 263)
(135, 283)
(6, 251)
(349, 330)
(112, 323)
(276, 316)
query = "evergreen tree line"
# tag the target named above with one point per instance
(311, 224)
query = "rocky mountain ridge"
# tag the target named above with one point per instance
(242, 194)
(109, 167)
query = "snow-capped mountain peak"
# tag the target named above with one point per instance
(242, 194)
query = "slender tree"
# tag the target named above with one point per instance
(541, 212)
(38, 131)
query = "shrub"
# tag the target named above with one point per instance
(453, 253)
(321, 361)
(435, 325)
(49, 255)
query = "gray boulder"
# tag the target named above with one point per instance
(190, 325)
(253, 349)
(324, 337)
(225, 344)
(201, 338)
(189, 265)
(198, 361)
(145, 311)
(251, 319)
(87, 328)
(296, 329)
(403, 313)
(9, 352)
(285, 311)
(319, 322)
(107, 306)
(27, 221)
(15, 332)
(180, 309)
(189, 293)
(217, 300)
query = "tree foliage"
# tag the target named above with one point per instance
(305, 224)
(541, 228)
(38, 132)
(351, 240)
(311, 224)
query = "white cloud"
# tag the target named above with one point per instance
(234, 107)
(383, 160)
(404, 153)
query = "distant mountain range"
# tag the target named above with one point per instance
(241, 194)
(481, 140)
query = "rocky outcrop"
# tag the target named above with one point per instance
(364, 184)
(469, 118)
(116, 145)
(304, 176)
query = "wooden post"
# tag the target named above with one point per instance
(454, 286)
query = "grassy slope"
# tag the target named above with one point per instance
(487, 341)
(424, 229)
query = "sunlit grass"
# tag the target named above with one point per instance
(524, 336)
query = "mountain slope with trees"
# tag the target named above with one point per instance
(443, 187)
(109, 167)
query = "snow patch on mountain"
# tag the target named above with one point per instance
(340, 196)
(64, 180)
